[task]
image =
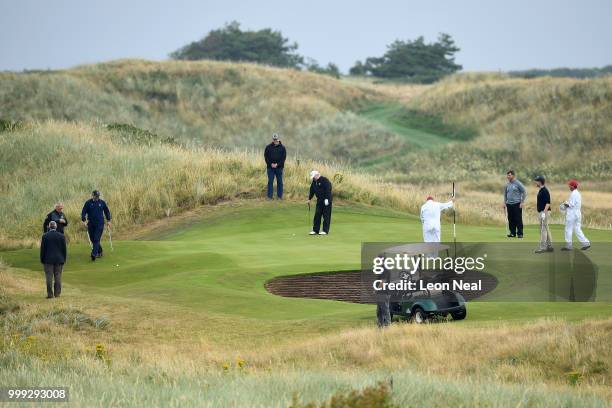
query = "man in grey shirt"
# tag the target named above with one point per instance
(514, 200)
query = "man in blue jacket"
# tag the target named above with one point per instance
(95, 210)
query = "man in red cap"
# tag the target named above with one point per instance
(430, 217)
(573, 218)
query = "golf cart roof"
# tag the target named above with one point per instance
(416, 249)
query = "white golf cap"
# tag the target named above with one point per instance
(313, 174)
(274, 136)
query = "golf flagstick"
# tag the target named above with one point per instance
(454, 222)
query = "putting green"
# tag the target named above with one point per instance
(219, 264)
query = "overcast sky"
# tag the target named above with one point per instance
(492, 35)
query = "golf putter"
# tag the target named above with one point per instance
(89, 239)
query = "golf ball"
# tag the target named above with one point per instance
(117, 265)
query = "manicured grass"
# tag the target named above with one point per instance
(219, 264)
(390, 115)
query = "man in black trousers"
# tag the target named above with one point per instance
(322, 188)
(514, 201)
(95, 211)
(53, 257)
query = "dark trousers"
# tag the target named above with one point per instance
(325, 211)
(53, 275)
(278, 173)
(515, 219)
(95, 235)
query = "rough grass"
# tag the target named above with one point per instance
(41, 164)
(207, 103)
(560, 128)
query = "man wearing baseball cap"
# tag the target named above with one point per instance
(275, 155)
(430, 218)
(573, 218)
(95, 210)
(543, 207)
(322, 188)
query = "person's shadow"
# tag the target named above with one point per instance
(572, 277)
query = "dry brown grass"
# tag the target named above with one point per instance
(181, 342)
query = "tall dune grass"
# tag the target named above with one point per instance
(43, 163)
(212, 104)
(560, 128)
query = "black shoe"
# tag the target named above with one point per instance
(511, 236)
(93, 258)
(551, 249)
(49, 297)
(540, 251)
(57, 296)
(520, 236)
(566, 249)
(584, 248)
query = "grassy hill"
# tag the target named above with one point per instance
(557, 127)
(475, 125)
(209, 104)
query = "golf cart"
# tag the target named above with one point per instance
(420, 305)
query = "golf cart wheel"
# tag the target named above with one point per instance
(459, 314)
(419, 316)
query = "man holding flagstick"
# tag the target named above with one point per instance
(430, 218)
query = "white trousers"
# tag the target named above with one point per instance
(573, 226)
(431, 234)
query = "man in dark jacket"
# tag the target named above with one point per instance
(58, 216)
(322, 188)
(53, 257)
(275, 155)
(95, 210)
(543, 207)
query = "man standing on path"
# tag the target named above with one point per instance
(58, 216)
(543, 207)
(573, 218)
(514, 201)
(430, 218)
(322, 188)
(53, 257)
(275, 155)
(95, 210)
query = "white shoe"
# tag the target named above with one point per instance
(322, 233)
(312, 233)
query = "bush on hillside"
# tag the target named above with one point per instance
(330, 69)
(413, 61)
(230, 43)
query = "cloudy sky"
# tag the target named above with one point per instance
(493, 35)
